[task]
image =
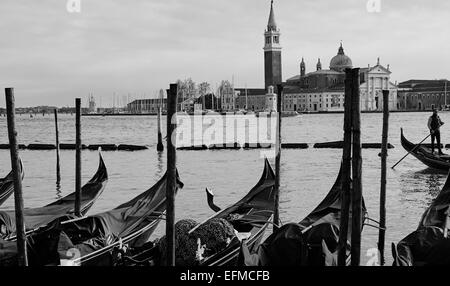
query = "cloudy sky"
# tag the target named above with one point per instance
(136, 47)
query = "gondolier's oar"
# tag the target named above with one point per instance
(409, 152)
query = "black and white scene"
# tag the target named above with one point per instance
(199, 133)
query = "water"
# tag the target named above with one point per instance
(307, 175)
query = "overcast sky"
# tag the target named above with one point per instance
(136, 47)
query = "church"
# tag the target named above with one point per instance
(321, 90)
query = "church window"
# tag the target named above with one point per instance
(275, 39)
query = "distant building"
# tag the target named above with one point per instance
(261, 99)
(323, 90)
(145, 106)
(92, 108)
(423, 94)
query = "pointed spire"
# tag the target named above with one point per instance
(319, 65)
(341, 50)
(271, 25)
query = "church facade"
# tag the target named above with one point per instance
(323, 90)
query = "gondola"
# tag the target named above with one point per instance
(7, 185)
(96, 238)
(250, 216)
(429, 244)
(423, 153)
(312, 242)
(36, 218)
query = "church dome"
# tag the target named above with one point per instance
(340, 62)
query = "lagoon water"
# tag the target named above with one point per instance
(306, 175)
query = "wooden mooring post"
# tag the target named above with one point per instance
(356, 197)
(383, 155)
(78, 157)
(17, 175)
(171, 174)
(346, 171)
(58, 166)
(276, 216)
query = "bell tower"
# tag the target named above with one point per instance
(272, 52)
(302, 68)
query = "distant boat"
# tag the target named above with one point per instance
(289, 114)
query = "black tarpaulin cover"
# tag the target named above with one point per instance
(437, 212)
(261, 196)
(37, 217)
(100, 230)
(312, 241)
(7, 185)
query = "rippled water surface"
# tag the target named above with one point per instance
(307, 175)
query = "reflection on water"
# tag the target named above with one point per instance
(160, 166)
(423, 186)
(58, 190)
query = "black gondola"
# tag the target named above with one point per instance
(313, 241)
(7, 185)
(429, 244)
(251, 215)
(423, 154)
(96, 238)
(36, 218)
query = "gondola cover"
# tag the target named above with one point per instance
(38, 217)
(312, 241)
(83, 237)
(7, 185)
(425, 245)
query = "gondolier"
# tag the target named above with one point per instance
(434, 124)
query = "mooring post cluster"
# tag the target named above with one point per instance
(352, 170)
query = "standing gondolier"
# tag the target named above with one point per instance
(434, 124)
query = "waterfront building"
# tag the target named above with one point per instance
(323, 90)
(424, 94)
(145, 106)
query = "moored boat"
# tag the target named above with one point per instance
(95, 238)
(429, 244)
(36, 218)
(313, 241)
(423, 154)
(7, 185)
(249, 217)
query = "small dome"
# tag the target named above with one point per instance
(340, 62)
